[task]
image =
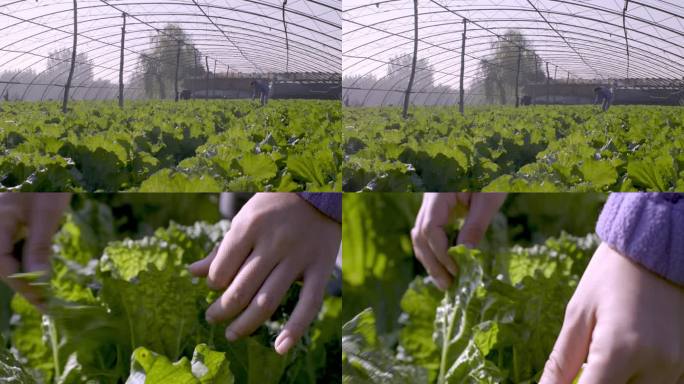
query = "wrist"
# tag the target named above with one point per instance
(647, 228)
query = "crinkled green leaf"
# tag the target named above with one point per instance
(366, 360)
(11, 372)
(210, 366)
(151, 368)
(27, 337)
(206, 367)
(169, 181)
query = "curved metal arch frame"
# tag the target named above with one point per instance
(305, 54)
(443, 74)
(608, 48)
(605, 44)
(399, 34)
(317, 42)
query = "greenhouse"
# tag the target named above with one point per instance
(525, 70)
(102, 79)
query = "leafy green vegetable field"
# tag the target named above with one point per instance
(537, 148)
(135, 315)
(162, 146)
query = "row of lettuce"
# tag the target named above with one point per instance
(539, 148)
(158, 146)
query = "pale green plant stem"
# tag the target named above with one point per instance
(445, 341)
(54, 343)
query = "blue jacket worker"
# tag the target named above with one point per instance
(261, 89)
(603, 95)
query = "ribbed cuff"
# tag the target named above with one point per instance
(330, 203)
(648, 228)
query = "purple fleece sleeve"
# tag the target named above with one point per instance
(648, 228)
(330, 204)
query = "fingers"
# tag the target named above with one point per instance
(200, 268)
(44, 217)
(241, 290)
(264, 303)
(233, 250)
(310, 300)
(424, 254)
(9, 264)
(571, 348)
(439, 244)
(430, 242)
(483, 206)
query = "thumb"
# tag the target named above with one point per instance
(571, 348)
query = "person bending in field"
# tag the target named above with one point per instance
(261, 89)
(626, 317)
(603, 95)
(273, 241)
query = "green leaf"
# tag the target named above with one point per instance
(600, 174)
(259, 167)
(147, 285)
(461, 360)
(366, 360)
(210, 366)
(11, 372)
(419, 306)
(151, 368)
(169, 181)
(654, 175)
(27, 338)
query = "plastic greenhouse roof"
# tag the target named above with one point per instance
(246, 36)
(579, 39)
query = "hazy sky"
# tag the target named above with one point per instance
(249, 36)
(594, 45)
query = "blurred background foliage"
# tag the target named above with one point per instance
(378, 261)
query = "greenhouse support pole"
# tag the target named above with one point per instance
(461, 92)
(214, 77)
(536, 70)
(121, 63)
(547, 83)
(517, 79)
(415, 57)
(287, 42)
(567, 81)
(206, 88)
(178, 52)
(73, 60)
(555, 73)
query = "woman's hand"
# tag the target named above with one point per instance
(430, 241)
(275, 239)
(35, 217)
(625, 321)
